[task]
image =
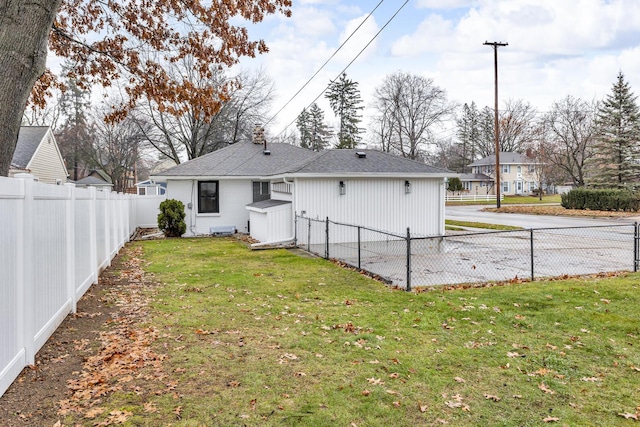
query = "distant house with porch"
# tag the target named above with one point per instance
(517, 175)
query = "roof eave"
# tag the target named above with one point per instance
(369, 175)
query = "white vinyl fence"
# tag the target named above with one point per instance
(55, 241)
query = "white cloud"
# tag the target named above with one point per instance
(443, 4)
(365, 34)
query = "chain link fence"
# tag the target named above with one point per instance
(463, 257)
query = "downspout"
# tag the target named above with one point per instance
(294, 208)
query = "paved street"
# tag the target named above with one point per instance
(474, 213)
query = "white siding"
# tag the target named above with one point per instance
(234, 195)
(46, 163)
(376, 203)
(272, 224)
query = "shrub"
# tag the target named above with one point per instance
(601, 200)
(171, 218)
(454, 185)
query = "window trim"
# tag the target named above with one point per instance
(217, 198)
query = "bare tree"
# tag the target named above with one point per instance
(413, 106)
(47, 115)
(569, 135)
(517, 128)
(192, 131)
(116, 150)
(517, 123)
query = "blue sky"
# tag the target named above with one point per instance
(556, 48)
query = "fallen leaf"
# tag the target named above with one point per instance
(629, 416)
(590, 379)
(422, 408)
(458, 379)
(375, 381)
(551, 419)
(492, 397)
(397, 404)
(150, 407)
(365, 392)
(94, 412)
(546, 389)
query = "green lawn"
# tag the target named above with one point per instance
(268, 338)
(460, 225)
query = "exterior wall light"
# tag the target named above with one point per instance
(343, 188)
(407, 187)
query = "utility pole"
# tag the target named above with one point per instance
(495, 46)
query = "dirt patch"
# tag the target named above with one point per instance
(36, 396)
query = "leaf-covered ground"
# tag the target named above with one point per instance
(235, 337)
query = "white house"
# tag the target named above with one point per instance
(259, 190)
(38, 154)
(518, 175)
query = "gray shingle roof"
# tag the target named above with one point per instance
(475, 177)
(243, 159)
(92, 180)
(247, 159)
(264, 204)
(29, 139)
(348, 162)
(505, 158)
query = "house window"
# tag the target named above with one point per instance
(532, 186)
(519, 169)
(261, 191)
(532, 168)
(208, 197)
(466, 185)
(142, 191)
(506, 168)
(505, 187)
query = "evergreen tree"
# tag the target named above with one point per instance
(468, 133)
(314, 133)
(344, 98)
(486, 140)
(319, 131)
(616, 162)
(304, 127)
(73, 137)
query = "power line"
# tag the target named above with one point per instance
(323, 65)
(349, 64)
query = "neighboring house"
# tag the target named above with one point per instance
(151, 188)
(517, 174)
(257, 190)
(97, 179)
(37, 153)
(477, 183)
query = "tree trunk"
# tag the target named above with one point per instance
(24, 33)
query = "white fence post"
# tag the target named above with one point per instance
(70, 218)
(25, 271)
(107, 228)
(93, 238)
